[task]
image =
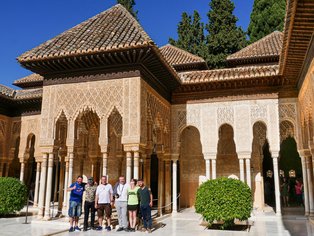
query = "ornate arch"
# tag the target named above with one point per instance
(287, 129)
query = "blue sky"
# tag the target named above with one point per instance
(25, 24)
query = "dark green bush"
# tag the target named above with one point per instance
(13, 195)
(224, 200)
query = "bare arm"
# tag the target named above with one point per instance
(96, 201)
(151, 199)
(70, 189)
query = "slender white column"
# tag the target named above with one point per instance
(42, 188)
(22, 171)
(214, 168)
(66, 185)
(248, 171)
(174, 187)
(310, 183)
(36, 185)
(128, 166)
(277, 187)
(241, 164)
(49, 187)
(207, 168)
(104, 163)
(305, 186)
(136, 164)
(71, 156)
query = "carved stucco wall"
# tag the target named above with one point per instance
(100, 96)
(5, 135)
(287, 117)
(156, 111)
(30, 125)
(207, 117)
(306, 111)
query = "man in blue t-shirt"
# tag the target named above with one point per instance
(75, 205)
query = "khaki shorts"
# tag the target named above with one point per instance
(104, 208)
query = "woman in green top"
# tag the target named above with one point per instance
(133, 201)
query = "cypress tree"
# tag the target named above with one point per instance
(190, 34)
(224, 37)
(129, 4)
(266, 17)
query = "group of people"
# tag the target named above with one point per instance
(286, 191)
(130, 200)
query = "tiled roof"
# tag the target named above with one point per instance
(29, 79)
(228, 74)
(268, 46)
(20, 94)
(28, 93)
(110, 30)
(6, 91)
(178, 56)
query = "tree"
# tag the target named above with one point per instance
(266, 17)
(190, 34)
(224, 37)
(129, 4)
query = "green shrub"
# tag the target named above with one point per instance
(13, 195)
(224, 200)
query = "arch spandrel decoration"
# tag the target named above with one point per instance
(71, 99)
(225, 115)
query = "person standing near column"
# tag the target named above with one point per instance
(89, 204)
(133, 201)
(146, 202)
(75, 204)
(103, 203)
(121, 198)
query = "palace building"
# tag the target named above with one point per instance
(104, 99)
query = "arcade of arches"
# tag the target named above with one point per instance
(130, 108)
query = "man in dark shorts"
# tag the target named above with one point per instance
(146, 202)
(103, 202)
(75, 205)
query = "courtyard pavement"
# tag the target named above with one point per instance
(181, 224)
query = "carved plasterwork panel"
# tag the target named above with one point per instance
(158, 115)
(286, 130)
(225, 115)
(2, 128)
(258, 112)
(71, 99)
(287, 111)
(193, 117)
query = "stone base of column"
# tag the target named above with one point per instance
(47, 218)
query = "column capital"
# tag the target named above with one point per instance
(103, 148)
(244, 155)
(274, 153)
(131, 147)
(210, 155)
(47, 149)
(304, 152)
(175, 156)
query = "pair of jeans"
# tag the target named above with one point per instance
(75, 209)
(147, 216)
(89, 206)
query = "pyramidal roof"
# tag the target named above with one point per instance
(177, 56)
(267, 47)
(110, 30)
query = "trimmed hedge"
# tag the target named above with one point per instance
(224, 200)
(13, 195)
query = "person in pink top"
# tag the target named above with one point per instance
(298, 191)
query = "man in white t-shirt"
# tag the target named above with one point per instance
(103, 202)
(120, 194)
